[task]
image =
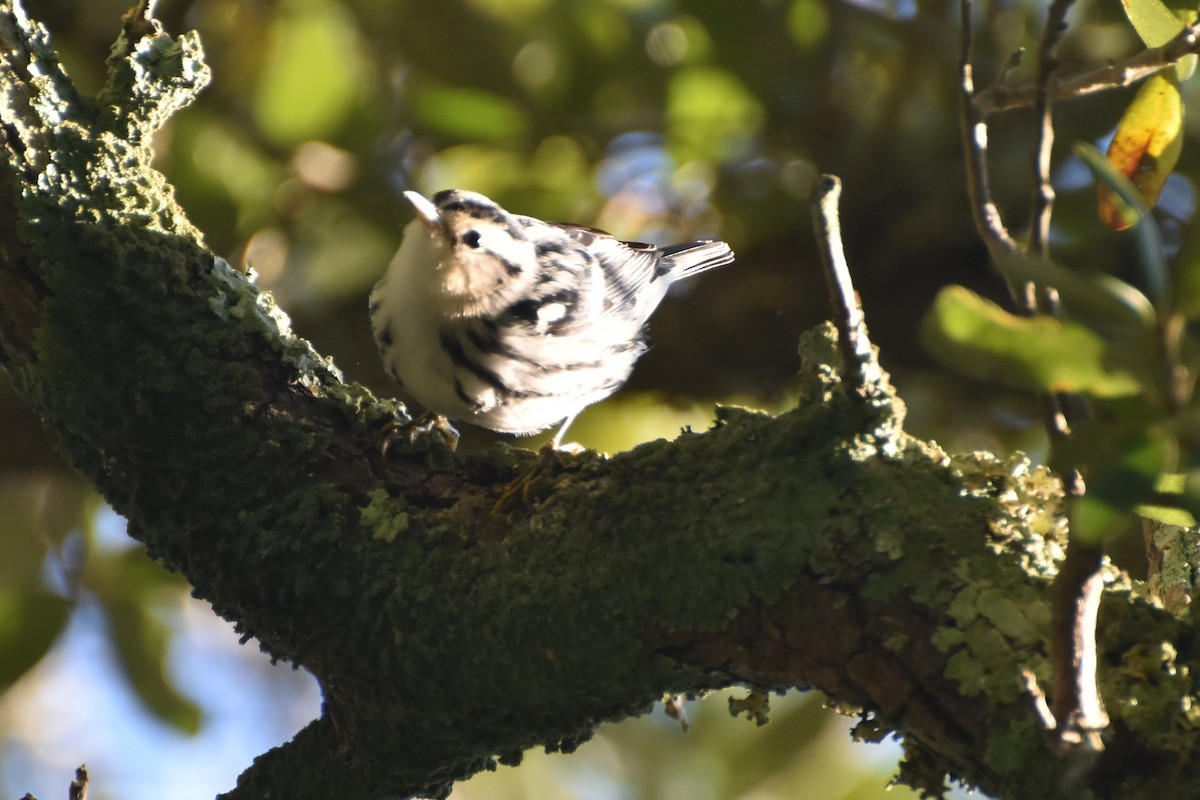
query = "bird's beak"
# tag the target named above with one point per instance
(426, 210)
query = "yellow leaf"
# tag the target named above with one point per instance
(1146, 146)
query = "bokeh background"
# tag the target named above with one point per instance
(659, 120)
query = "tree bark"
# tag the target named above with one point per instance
(823, 548)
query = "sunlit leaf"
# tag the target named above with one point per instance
(1145, 147)
(808, 23)
(1112, 496)
(1041, 354)
(1096, 294)
(710, 114)
(605, 27)
(560, 163)
(1169, 508)
(311, 72)
(1152, 20)
(485, 168)
(30, 622)
(1168, 515)
(470, 114)
(631, 418)
(1156, 24)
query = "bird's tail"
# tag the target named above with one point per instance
(692, 258)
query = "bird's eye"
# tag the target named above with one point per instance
(471, 239)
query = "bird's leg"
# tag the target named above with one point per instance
(556, 442)
(410, 431)
(547, 454)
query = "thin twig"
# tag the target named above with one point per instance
(847, 310)
(1041, 706)
(1092, 79)
(1077, 706)
(1060, 411)
(974, 135)
(1043, 192)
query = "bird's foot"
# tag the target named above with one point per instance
(548, 458)
(410, 431)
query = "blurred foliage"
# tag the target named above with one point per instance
(800, 755)
(1128, 362)
(1038, 353)
(43, 515)
(659, 120)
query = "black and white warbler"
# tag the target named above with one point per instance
(512, 323)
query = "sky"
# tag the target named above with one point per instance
(76, 707)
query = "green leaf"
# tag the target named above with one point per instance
(1153, 21)
(1130, 481)
(808, 23)
(311, 73)
(1040, 354)
(1156, 24)
(1083, 293)
(40, 511)
(1170, 508)
(711, 115)
(1168, 515)
(468, 114)
(1134, 211)
(141, 642)
(128, 586)
(30, 622)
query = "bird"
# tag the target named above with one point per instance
(514, 324)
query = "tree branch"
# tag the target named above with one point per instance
(827, 548)
(1043, 194)
(973, 127)
(1092, 79)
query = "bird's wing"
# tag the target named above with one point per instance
(627, 267)
(631, 267)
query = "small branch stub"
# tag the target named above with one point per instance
(79, 786)
(858, 359)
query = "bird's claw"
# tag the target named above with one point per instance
(410, 431)
(548, 457)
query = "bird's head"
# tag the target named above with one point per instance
(482, 255)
